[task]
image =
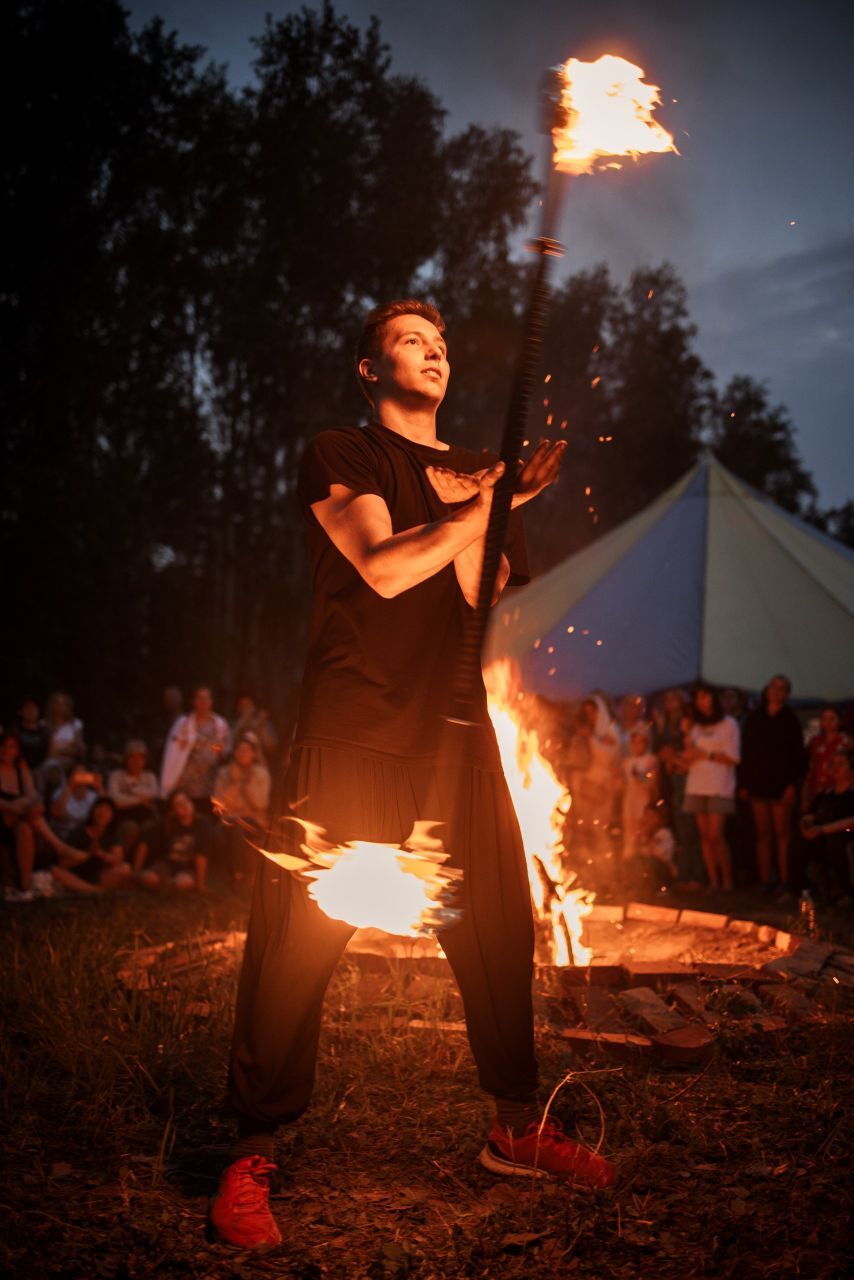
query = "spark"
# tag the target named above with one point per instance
(547, 378)
(570, 630)
(596, 381)
(587, 491)
(550, 419)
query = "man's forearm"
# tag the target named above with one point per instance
(469, 567)
(405, 559)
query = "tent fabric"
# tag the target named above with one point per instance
(711, 581)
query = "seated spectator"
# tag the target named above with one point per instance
(133, 790)
(23, 829)
(827, 743)
(253, 719)
(174, 851)
(94, 862)
(32, 734)
(640, 785)
(195, 749)
(652, 863)
(242, 796)
(65, 740)
(71, 803)
(829, 827)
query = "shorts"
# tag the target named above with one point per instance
(708, 804)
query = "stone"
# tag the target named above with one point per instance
(689, 1000)
(743, 926)
(703, 919)
(806, 961)
(684, 1046)
(595, 1008)
(646, 1007)
(606, 913)
(720, 972)
(596, 974)
(788, 1001)
(622, 1046)
(652, 912)
(644, 973)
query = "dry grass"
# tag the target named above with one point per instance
(114, 1133)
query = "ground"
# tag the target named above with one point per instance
(114, 1131)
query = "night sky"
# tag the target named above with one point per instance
(764, 121)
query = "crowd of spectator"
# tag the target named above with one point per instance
(74, 818)
(703, 792)
(696, 791)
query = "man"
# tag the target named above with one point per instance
(395, 521)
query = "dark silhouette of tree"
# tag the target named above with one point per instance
(757, 442)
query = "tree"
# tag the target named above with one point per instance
(757, 442)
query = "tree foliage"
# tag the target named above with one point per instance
(184, 270)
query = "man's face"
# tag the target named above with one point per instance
(413, 363)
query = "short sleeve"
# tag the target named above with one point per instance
(338, 457)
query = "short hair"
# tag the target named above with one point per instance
(370, 343)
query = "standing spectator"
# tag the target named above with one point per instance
(772, 764)
(242, 794)
(828, 742)
(672, 730)
(174, 851)
(95, 860)
(253, 719)
(171, 709)
(72, 802)
(22, 823)
(830, 825)
(32, 733)
(632, 716)
(65, 743)
(195, 749)
(594, 770)
(133, 790)
(640, 786)
(712, 754)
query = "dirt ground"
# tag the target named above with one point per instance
(114, 1130)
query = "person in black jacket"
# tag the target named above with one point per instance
(772, 763)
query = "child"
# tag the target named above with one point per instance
(653, 862)
(640, 786)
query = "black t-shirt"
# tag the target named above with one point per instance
(379, 673)
(833, 806)
(176, 844)
(81, 839)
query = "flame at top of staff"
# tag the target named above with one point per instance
(607, 112)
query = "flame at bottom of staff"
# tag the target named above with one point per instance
(407, 889)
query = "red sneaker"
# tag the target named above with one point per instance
(549, 1154)
(240, 1210)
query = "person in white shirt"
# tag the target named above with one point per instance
(640, 786)
(713, 751)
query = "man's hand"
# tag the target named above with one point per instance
(538, 473)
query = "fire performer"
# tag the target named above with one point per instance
(395, 524)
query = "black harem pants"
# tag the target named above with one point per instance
(292, 947)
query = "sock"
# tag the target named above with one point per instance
(251, 1143)
(516, 1115)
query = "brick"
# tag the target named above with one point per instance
(622, 1046)
(843, 960)
(735, 1000)
(644, 973)
(688, 999)
(767, 1024)
(606, 913)
(806, 961)
(654, 913)
(647, 1008)
(839, 977)
(766, 933)
(784, 941)
(703, 919)
(684, 1046)
(595, 1008)
(748, 927)
(596, 974)
(730, 972)
(787, 1001)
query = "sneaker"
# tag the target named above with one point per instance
(546, 1153)
(240, 1210)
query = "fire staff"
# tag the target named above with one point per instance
(395, 521)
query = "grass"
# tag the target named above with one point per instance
(114, 1131)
